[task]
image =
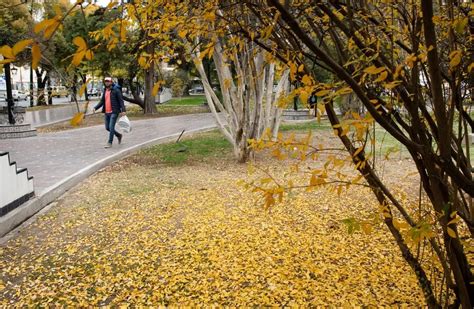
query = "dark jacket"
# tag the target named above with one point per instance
(115, 98)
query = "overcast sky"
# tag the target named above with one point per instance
(102, 2)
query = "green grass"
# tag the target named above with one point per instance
(200, 148)
(305, 126)
(135, 112)
(189, 100)
(172, 110)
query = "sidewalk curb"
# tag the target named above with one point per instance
(14, 222)
(58, 121)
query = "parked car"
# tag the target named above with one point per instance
(59, 91)
(94, 92)
(197, 90)
(19, 95)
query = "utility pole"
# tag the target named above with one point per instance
(32, 101)
(8, 80)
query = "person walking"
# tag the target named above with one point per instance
(112, 106)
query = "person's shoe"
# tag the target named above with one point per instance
(108, 145)
(120, 139)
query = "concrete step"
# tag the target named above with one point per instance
(16, 131)
(6, 128)
(16, 185)
(301, 114)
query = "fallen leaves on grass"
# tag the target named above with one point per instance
(148, 236)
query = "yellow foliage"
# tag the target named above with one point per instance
(20, 46)
(156, 87)
(455, 58)
(77, 119)
(80, 43)
(36, 53)
(154, 238)
(373, 70)
(323, 93)
(382, 77)
(7, 52)
(307, 80)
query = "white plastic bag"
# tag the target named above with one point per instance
(124, 124)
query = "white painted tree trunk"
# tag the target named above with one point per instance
(248, 106)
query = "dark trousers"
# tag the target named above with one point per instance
(110, 120)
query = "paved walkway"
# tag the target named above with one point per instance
(53, 157)
(54, 114)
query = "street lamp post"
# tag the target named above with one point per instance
(8, 81)
(31, 65)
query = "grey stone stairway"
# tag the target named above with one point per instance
(16, 185)
(16, 131)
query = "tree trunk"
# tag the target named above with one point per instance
(248, 104)
(41, 83)
(150, 106)
(84, 81)
(135, 99)
(74, 89)
(50, 93)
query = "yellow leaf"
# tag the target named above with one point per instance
(391, 85)
(77, 119)
(382, 77)
(7, 61)
(314, 181)
(374, 70)
(182, 34)
(455, 57)
(345, 90)
(36, 56)
(210, 16)
(211, 52)
(77, 59)
(89, 54)
(123, 33)
(111, 4)
(83, 89)
(367, 228)
(43, 25)
(156, 88)
(451, 232)
(267, 32)
(358, 150)
(307, 80)
(80, 43)
(227, 83)
(460, 24)
(470, 67)
(454, 221)
(7, 52)
(322, 93)
(48, 32)
(293, 69)
(20, 46)
(411, 59)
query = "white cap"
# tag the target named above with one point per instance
(108, 79)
